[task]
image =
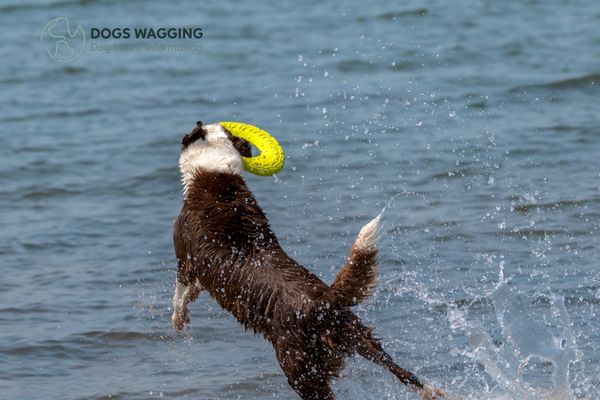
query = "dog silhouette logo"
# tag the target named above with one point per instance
(62, 42)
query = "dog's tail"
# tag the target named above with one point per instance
(357, 280)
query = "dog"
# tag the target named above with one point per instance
(225, 246)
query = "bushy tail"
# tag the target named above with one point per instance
(357, 280)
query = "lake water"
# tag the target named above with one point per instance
(476, 123)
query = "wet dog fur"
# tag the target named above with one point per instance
(225, 246)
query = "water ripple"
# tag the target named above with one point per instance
(589, 82)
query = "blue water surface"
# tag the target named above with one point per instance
(475, 122)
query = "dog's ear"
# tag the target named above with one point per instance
(242, 146)
(197, 133)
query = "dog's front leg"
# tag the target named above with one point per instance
(184, 294)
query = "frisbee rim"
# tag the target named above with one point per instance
(271, 159)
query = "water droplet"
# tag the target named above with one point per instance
(300, 58)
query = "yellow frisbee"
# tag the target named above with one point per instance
(271, 158)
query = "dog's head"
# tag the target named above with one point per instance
(211, 148)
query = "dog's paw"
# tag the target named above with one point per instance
(180, 320)
(432, 393)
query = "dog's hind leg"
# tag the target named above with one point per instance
(311, 389)
(305, 371)
(185, 293)
(371, 349)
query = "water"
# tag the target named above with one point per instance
(529, 361)
(476, 123)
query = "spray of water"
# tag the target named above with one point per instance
(532, 356)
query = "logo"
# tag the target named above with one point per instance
(63, 43)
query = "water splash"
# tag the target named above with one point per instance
(536, 347)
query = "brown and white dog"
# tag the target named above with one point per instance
(224, 245)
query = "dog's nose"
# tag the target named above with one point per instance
(199, 124)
